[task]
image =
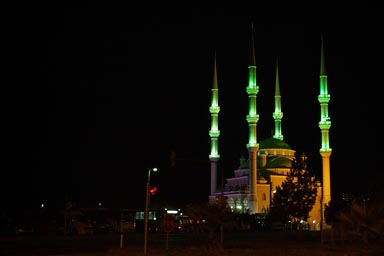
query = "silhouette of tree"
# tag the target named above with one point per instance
(295, 197)
(211, 217)
(363, 220)
(336, 205)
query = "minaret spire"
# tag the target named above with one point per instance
(322, 61)
(324, 125)
(252, 119)
(277, 115)
(214, 132)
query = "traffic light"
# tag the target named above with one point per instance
(153, 190)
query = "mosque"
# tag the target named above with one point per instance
(253, 184)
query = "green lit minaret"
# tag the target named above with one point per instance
(324, 124)
(214, 132)
(277, 115)
(252, 118)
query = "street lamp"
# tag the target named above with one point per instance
(146, 210)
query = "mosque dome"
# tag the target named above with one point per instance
(279, 162)
(278, 154)
(273, 143)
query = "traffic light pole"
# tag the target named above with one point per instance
(146, 217)
(146, 210)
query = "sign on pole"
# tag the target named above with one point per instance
(167, 226)
(168, 223)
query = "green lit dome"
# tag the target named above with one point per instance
(273, 143)
(280, 162)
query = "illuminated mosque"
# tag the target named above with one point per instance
(255, 180)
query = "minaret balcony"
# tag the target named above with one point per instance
(325, 125)
(214, 110)
(278, 115)
(324, 98)
(252, 89)
(326, 152)
(214, 134)
(252, 119)
(252, 145)
(214, 156)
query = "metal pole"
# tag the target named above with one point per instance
(121, 230)
(146, 210)
(146, 217)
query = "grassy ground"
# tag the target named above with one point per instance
(285, 243)
(271, 251)
(262, 245)
(196, 251)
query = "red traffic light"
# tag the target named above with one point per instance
(153, 190)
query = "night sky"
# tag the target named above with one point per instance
(96, 100)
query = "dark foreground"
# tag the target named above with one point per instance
(244, 244)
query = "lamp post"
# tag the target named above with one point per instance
(146, 210)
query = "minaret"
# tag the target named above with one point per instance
(252, 119)
(277, 115)
(324, 124)
(214, 132)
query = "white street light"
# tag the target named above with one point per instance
(146, 210)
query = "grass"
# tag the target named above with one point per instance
(276, 250)
(285, 243)
(262, 244)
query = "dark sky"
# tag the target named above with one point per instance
(95, 100)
